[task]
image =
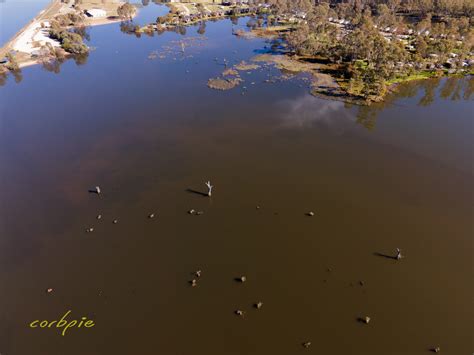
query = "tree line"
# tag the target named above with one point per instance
(350, 7)
(382, 41)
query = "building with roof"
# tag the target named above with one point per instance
(96, 13)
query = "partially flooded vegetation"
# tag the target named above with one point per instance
(224, 83)
(366, 49)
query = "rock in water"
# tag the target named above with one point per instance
(241, 279)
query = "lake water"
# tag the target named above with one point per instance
(147, 130)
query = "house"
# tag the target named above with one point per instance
(96, 13)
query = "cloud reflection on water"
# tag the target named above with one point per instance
(309, 111)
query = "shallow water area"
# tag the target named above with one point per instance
(150, 133)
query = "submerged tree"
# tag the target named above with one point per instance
(202, 28)
(129, 27)
(3, 75)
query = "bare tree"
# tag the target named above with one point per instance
(209, 186)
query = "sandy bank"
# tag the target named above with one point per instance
(35, 35)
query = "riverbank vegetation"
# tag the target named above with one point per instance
(366, 46)
(71, 41)
(376, 44)
(126, 11)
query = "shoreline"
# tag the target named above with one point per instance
(318, 67)
(33, 28)
(8, 46)
(327, 79)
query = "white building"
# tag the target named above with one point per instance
(96, 13)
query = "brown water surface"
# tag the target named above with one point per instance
(394, 175)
